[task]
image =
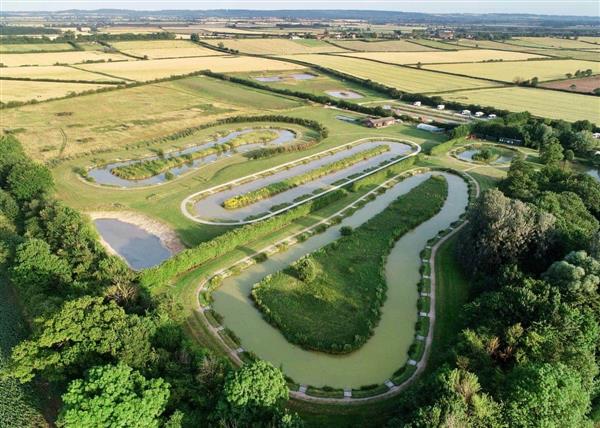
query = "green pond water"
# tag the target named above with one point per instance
(387, 349)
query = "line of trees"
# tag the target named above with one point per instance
(116, 354)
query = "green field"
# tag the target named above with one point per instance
(403, 78)
(519, 70)
(34, 47)
(539, 102)
(318, 85)
(327, 311)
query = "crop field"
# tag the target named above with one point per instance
(405, 79)
(436, 44)
(58, 72)
(276, 46)
(539, 102)
(550, 42)
(156, 49)
(34, 47)
(52, 58)
(24, 90)
(522, 70)
(583, 85)
(110, 120)
(383, 46)
(160, 68)
(468, 55)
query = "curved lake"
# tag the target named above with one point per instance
(387, 350)
(103, 175)
(211, 207)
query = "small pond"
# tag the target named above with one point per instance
(302, 76)
(467, 155)
(346, 95)
(103, 175)
(296, 76)
(268, 79)
(139, 248)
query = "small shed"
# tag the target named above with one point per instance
(441, 106)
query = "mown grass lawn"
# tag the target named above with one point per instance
(337, 309)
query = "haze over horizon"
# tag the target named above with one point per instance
(541, 7)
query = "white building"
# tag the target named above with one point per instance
(466, 112)
(441, 106)
(429, 128)
(479, 114)
(417, 103)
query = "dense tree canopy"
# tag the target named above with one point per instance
(503, 231)
(84, 331)
(114, 396)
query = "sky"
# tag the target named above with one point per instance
(542, 7)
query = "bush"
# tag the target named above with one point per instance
(346, 230)
(305, 269)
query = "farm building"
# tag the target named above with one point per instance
(379, 122)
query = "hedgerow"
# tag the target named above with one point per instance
(193, 257)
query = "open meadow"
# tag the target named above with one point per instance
(402, 78)
(539, 102)
(106, 121)
(23, 90)
(463, 56)
(276, 46)
(161, 68)
(156, 49)
(521, 70)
